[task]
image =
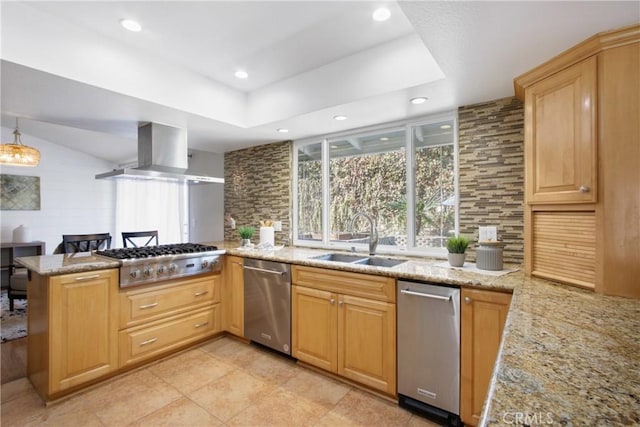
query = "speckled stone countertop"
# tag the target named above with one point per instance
(424, 269)
(53, 265)
(568, 357)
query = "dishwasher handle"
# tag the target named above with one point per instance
(264, 270)
(420, 294)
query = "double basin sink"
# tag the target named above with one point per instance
(360, 259)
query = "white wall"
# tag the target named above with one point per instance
(206, 201)
(72, 201)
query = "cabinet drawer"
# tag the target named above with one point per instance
(345, 282)
(152, 303)
(140, 343)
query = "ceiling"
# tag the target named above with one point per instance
(75, 77)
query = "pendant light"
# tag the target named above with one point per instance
(18, 154)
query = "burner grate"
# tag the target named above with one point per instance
(154, 251)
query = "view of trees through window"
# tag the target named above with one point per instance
(368, 173)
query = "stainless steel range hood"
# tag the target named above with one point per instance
(162, 155)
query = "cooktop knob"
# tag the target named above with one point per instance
(204, 264)
(148, 271)
(162, 270)
(172, 268)
(134, 274)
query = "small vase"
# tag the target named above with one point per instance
(245, 242)
(456, 260)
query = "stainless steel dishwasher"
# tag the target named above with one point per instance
(429, 350)
(267, 303)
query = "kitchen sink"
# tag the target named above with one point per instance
(360, 259)
(340, 257)
(381, 262)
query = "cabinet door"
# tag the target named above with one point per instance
(560, 137)
(234, 306)
(367, 342)
(483, 317)
(314, 327)
(79, 350)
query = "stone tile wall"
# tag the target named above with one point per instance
(257, 187)
(491, 162)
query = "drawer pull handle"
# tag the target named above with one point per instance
(200, 325)
(151, 341)
(95, 276)
(153, 304)
(199, 294)
(584, 189)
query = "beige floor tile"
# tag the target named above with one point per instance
(361, 408)
(15, 388)
(270, 367)
(72, 413)
(180, 413)
(279, 408)
(129, 398)
(316, 388)
(22, 410)
(191, 370)
(232, 351)
(418, 421)
(229, 395)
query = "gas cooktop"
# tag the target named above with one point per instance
(149, 264)
(155, 251)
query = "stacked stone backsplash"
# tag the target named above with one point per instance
(258, 187)
(491, 162)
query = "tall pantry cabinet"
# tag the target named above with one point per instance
(582, 164)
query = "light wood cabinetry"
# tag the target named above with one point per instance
(345, 323)
(560, 130)
(156, 319)
(483, 315)
(234, 295)
(582, 164)
(73, 329)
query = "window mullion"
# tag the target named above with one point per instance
(411, 203)
(325, 192)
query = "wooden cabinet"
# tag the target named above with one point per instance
(560, 130)
(156, 319)
(582, 164)
(483, 315)
(234, 295)
(345, 323)
(65, 349)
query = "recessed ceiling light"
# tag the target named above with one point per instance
(283, 130)
(131, 25)
(384, 138)
(241, 74)
(419, 100)
(339, 117)
(381, 14)
(445, 127)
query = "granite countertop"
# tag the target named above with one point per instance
(425, 269)
(568, 357)
(53, 265)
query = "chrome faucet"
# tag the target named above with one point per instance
(373, 234)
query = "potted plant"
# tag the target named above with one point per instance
(457, 246)
(246, 232)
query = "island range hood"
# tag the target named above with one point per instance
(162, 155)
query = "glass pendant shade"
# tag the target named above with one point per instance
(18, 154)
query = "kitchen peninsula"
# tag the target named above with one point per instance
(567, 355)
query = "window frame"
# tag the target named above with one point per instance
(407, 125)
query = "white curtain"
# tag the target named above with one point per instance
(152, 205)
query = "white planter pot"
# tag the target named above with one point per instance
(456, 260)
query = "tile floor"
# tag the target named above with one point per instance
(220, 383)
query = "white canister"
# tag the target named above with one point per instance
(267, 236)
(21, 234)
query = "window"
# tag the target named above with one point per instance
(402, 175)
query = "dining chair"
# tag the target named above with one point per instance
(140, 236)
(72, 243)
